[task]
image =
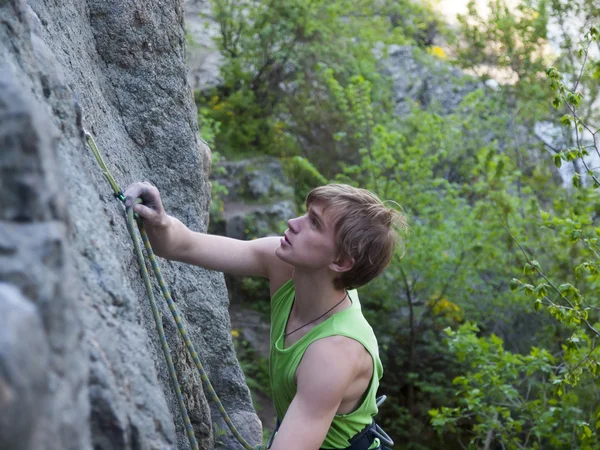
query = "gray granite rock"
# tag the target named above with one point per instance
(426, 80)
(203, 57)
(117, 68)
(24, 355)
(259, 199)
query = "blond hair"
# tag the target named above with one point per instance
(365, 229)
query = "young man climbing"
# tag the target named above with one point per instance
(324, 362)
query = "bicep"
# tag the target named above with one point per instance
(323, 377)
(304, 426)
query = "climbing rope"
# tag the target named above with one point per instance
(131, 218)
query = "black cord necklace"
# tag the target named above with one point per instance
(314, 320)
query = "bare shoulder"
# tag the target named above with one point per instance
(335, 373)
(337, 355)
(338, 344)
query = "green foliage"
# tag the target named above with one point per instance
(575, 303)
(218, 191)
(491, 225)
(219, 434)
(255, 367)
(209, 127)
(304, 177)
(510, 398)
(462, 192)
(273, 101)
(507, 41)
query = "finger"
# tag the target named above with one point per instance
(132, 192)
(151, 198)
(144, 212)
(128, 198)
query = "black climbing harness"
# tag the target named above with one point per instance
(362, 440)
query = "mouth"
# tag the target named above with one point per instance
(286, 240)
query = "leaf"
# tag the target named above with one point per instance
(596, 70)
(514, 284)
(586, 432)
(566, 119)
(557, 102)
(339, 135)
(557, 160)
(564, 287)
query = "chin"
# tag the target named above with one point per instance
(279, 252)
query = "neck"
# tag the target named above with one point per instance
(315, 294)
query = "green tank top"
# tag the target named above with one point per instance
(283, 362)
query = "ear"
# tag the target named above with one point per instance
(342, 264)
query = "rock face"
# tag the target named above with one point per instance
(80, 362)
(259, 201)
(259, 198)
(203, 57)
(426, 80)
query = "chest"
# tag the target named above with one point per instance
(294, 331)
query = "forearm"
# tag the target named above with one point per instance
(166, 240)
(173, 240)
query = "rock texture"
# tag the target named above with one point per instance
(425, 80)
(259, 199)
(203, 57)
(76, 332)
(24, 378)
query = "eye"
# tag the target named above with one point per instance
(314, 224)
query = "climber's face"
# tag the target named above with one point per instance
(309, 242)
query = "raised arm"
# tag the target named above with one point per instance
(171, 239)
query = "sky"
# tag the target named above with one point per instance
(451, 8)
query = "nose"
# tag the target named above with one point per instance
(293, 224)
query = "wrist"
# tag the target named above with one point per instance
(165, 222)
(158, 225)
